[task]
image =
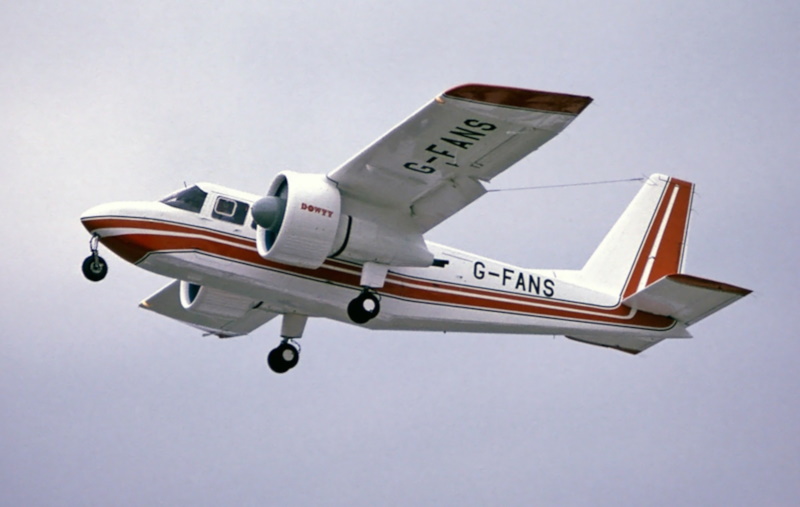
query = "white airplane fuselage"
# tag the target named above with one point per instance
(467, 293)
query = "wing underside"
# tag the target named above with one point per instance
(167, 302)
(433, 164)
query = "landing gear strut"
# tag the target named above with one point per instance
(94, 266)
(364, 308)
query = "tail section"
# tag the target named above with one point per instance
(647, 242)
(641, 261)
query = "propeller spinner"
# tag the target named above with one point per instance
(268, 212)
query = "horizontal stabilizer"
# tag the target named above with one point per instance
(685, 298)
(629, 344)
(167, 302)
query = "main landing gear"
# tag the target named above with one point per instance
(285, 356)
(366, 305)
(94, 266)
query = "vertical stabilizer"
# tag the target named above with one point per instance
(647, 242)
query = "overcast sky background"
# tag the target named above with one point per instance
(102, 403)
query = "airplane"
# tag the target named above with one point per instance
(349, 245)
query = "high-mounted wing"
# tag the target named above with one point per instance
(433, 164)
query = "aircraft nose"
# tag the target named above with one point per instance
(107, 209)
(92, 217)
(119, 227)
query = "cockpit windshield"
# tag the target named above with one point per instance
(189, 199)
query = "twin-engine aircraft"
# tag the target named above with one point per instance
(349, 245)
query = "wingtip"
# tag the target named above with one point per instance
(520, 98)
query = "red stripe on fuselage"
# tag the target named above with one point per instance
(166, 237)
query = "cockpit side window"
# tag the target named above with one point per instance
(189, 199)
(230, 210)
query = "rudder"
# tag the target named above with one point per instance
(647, 242)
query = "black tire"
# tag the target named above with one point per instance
(358, 313)
(95, 268)
(289, 355)
(283, 358)
(275, 362)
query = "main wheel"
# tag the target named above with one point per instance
(283, 358)
(363, 308)
(95, 268)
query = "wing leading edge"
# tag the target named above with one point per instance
(433, 164)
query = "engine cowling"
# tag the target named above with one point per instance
(366, 241)
(213, 302)
(298, 219)
(300, 223)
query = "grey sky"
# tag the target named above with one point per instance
(102, 403)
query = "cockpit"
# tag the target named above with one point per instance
(224, 208)
(189, 199)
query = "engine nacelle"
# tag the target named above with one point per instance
(300, 223)
(365, 241)
(304, 233)
(213, 302)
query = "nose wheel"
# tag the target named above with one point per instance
(284, 357)
(94, 267)
(364, 308)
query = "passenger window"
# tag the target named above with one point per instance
(229, 210)
(224, 207)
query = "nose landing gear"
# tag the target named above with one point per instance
(94, 267)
